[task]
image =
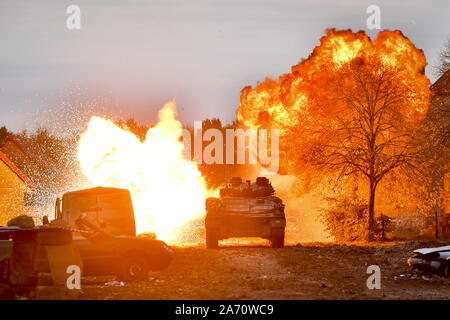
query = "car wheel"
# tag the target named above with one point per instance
(212, 239)
(277, 238)
(133, 268)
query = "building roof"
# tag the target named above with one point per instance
(14, 150)
(10, 138)
(16, 170)
(442, 85)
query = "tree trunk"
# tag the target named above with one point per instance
(436, 222)
(373, 186)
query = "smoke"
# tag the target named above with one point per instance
(303, 208)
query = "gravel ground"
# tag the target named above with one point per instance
(307, 271)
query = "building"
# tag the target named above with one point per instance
(14, 186)
(13, 148)
(440, 110)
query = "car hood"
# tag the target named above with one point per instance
(431, 250)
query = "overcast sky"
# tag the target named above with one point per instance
(130, 57)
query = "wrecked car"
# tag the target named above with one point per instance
(431, 260)
(102, 226)
(129, 258)
(110, 244)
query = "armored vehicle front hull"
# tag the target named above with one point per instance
(234, 217)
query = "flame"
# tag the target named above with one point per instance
(167, 190)
(316, 99)
(286, 102)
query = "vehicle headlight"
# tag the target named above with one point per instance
(415, 261)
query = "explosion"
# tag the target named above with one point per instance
(289, 101)
(320, 108)
(351, 109)
(167, 190)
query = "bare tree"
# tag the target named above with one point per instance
(365, 125)
(352, 107)
(444, 60)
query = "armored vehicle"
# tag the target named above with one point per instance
(245, 210)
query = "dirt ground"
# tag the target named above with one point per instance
(307, 271)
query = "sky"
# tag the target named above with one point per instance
(130, 57)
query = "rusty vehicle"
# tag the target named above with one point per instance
(28, 251)
(102, 226)
(107, 215)
(431, 260)
(110, 209)
(245, 210)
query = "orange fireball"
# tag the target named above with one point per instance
(167, 190)
(288, 101)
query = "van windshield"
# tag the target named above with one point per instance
(112, 212)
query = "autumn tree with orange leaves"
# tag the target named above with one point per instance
(371, 130)
(352, 108)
